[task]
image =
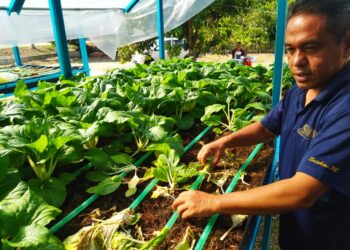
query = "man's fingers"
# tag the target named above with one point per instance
(201, 157)
(177, 203)
(181, 210)
(186, 214)
(217, 158)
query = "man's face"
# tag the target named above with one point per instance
(314, 56)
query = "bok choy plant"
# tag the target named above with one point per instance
(168, 169)
(44, 145)
(235, 118)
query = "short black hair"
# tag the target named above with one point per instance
(337, 13)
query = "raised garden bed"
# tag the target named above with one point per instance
(156, 212)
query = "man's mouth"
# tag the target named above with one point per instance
(301, 77)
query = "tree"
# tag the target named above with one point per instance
(217, 28)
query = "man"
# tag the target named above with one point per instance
(313, 120)
(238, 52)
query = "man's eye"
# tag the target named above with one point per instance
(311, 48)
(289, 50)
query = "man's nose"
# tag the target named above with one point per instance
(299, 59)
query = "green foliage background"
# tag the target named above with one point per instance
(217, 29)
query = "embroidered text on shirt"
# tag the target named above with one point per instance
(324, 165)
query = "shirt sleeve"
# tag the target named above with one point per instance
(328, 157)
(273, 120)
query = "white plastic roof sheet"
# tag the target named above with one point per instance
(106, 25)
(72, 4)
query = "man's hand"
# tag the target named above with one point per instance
(214, 149)
(195, 204)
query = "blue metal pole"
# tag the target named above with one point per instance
(160, 29)
(84, 55)
(15, 6)
(60, 37)
(276, 95)
(265, 245)
(279, 51)
(130, 6)
(17, 56)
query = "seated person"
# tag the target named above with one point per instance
(238, 52)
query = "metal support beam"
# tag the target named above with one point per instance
(279, 51)
(60, 37)
(130, 6)
(276, 95)
(15, 6)
(84, 55)
(160, 29)
(17, 56)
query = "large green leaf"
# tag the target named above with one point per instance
(256, 105)
(40, 144)
(212, 120)
(10, 181)
(52, 190)
(22, 207)
(174, 142)
(118, 117)
(185, 122)
(122, 158)
(4, 165)
(99, 158)
(107, 186)
(214, 109)
(60, 141)
(156, 133)
(21, 89)
(35, 237)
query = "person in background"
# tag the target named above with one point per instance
(313, 121)
(238, 52)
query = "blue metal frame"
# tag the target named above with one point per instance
(35, 79)
(160, 29)
(17, 56)
(276, 95)
(279, 51)
(15, 6)
(84, 55)
(60, 37)
(265, 245)
(130, 6)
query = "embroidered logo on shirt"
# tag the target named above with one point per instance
(334, 169)
(307, 132)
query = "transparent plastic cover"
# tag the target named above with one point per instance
(107, 28)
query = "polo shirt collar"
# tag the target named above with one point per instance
(335, 84)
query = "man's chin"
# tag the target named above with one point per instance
(303, 85)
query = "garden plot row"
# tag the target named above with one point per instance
(30, 74)
(107, 123)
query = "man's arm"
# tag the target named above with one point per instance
(298, 192)
(249, 135)
(233, 51)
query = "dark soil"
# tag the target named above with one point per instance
(156, 212)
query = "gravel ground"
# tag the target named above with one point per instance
(99, 63)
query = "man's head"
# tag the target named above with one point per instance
(337, 13)
(238, 45)
(318, 40)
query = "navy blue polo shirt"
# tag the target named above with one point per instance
(316, 140)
